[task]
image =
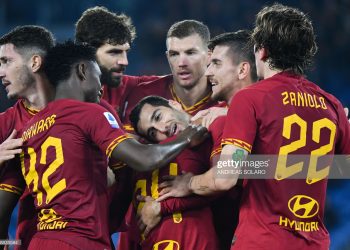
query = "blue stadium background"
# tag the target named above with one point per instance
(152, 19)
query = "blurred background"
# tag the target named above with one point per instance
(152, 19)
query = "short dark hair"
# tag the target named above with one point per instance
(187, 28)
(239, 46)
(61, 58)
(155, 101)
(288, 36)
(98, 26)
(29, 40)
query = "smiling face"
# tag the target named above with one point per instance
(188, 59)
(112, 60)
(222, 72)
(157, 123)
(14, 73)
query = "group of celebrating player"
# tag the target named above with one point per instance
(88, 151)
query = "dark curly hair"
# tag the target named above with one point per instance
(29, 40)
(288, 36)
(61, 58)
(98, 26)
(239, 47)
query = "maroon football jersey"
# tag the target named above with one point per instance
(285, 115)
(64, 163)
(161, 87)
(115, 96)
(11, 179)
(216, 129)
(197, 223)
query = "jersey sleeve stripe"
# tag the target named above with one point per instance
(11, 189)
(238, 143)
(215, 152)
(115, 143)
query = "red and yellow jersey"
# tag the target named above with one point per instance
(11, 179)
(197, 223)
(115, 96)
(64, 163)
(161, 87)
(286, 115)
(216, 129)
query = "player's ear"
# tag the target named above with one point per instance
(210, 52)
(81, 71)
(36, 62)
(243, 70)
(175, 105)
(262, 54)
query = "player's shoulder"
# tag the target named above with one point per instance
(17, 107)
(74, 106)
(250, 92)
(267, 86)
(331, 98)
(334, 101)
(104, 104)
(8, 112)
(7, 121)
(17, 110)
(167, 79)
(154, 87)
(134, 80)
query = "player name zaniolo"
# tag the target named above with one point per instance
(302, 99)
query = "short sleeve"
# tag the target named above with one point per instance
(241, 124)
(103, 129)
(216, 130)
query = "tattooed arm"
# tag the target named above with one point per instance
(205, 184)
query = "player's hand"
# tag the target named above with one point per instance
(195, 135)
(175, 186)
(10, 147)
(346, 110)
(207, 116)
(150, 214)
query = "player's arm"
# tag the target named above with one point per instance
(143, 157)
(205, 184)
(208, 183)
(8, 201)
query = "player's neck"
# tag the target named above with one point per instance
(268, 72)
(190, 97)
(40, 95)
(66, 91)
